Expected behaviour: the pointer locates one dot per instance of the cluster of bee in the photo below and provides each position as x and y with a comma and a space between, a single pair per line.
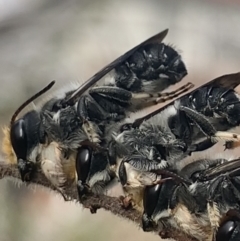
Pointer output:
91, 135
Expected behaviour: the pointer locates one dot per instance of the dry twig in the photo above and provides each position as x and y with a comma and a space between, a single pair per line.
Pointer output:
111, 204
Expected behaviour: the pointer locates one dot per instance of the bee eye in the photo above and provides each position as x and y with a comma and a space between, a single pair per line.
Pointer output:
226, 230
83, 162
19, 139
150, 198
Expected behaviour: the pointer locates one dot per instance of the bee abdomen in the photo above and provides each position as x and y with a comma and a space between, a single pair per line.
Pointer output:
221, 104
151, 69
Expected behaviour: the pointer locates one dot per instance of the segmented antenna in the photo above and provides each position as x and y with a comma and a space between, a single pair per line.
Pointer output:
27, 102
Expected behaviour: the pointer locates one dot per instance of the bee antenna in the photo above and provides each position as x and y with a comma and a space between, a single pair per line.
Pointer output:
28, 101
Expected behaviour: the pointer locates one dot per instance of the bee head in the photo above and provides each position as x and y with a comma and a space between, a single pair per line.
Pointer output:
229, 229
83, 164
21, 140
92, 170
157, 199
25, 138
150, 200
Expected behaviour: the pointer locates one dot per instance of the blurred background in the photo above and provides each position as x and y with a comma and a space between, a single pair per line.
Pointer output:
69, 41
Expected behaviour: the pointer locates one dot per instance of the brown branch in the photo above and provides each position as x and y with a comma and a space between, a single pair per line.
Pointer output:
111, 204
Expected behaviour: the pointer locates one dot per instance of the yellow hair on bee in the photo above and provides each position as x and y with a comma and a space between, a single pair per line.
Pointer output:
7, 147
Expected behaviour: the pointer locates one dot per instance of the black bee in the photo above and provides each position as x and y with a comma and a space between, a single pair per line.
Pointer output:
193, 123
203, 201
50, 136
137, 149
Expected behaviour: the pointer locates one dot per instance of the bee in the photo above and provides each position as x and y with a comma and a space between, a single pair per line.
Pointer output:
140, 148
49, 137
201, 202
192, 123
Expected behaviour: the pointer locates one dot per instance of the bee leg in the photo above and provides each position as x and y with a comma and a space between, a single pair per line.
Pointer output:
201, 146
200, 120
162, 97
140, 100
197, 169
231, 145
114, 93
82, 189
89, 109
164, 234
212, 207
163, 180
26, 170
65, 197
112, 100
122, 96
93, 208
214, 217
207, 128
170, 95
127, 201
98, 108
147, 223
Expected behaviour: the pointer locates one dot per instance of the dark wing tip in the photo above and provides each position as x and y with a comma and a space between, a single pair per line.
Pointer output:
158, 38
165, 32
230, 81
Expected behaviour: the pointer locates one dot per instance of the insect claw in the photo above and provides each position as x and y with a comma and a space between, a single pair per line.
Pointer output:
93, 208
82, 190
228, 145
147, 223
164, 234
127, 202
26, 170
65, 197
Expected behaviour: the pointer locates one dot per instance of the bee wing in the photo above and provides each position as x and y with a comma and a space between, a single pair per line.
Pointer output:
158, 38
230, 168
230, 81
